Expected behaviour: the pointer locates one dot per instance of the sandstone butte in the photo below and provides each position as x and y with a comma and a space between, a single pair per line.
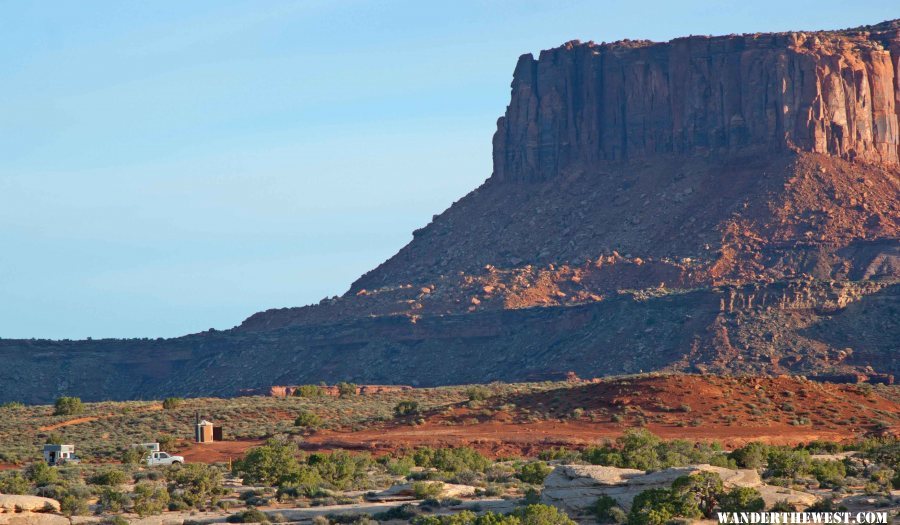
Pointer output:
716, 204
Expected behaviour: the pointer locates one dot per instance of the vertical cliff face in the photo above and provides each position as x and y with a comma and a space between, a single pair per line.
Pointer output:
827, 92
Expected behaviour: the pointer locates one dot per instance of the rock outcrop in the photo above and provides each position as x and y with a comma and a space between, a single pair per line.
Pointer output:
583, 103
574, 488
30, 510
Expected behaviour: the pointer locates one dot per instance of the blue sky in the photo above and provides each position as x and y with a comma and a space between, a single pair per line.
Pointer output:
171, 166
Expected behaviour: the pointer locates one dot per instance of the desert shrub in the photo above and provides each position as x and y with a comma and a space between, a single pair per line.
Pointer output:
149, 498
68, 406
346, 389
196, 484
401, 466
403, 512
703, 488
53, 439
171, 403
112, 499
114, 520
308, 420
269, 464
830, 473
309, 391
74, 501
540, 515
607, 510
742, 499
342, 470
248, 516
478, 393
783, 506
12, 405
406, 408
14, 483
823, 447
640, 449
533, 472
531, 515
451, 459
41, 474
658, 506
424, 490
784, 462
109, 477
752, 455
532, 496
167, 442
826, 505
133, 455
560, 454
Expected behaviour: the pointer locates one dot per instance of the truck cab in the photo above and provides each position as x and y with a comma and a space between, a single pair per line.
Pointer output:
156, 458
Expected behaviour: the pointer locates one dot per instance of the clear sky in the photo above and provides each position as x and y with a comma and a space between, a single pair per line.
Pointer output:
171, 166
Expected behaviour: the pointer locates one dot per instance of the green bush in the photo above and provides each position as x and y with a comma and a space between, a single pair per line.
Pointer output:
167, 442
531, 515
12, 405
541, 515
133, 455
533, 472
478, 393
41, 474
149, 498
787, 463
346, 389
451, 459
406, 408
658, 506
342, 470
309, 391
68, 406
114, 520
607, 510
309, 420
830, 473
109, 477
14, 483
703, 488
401, 466
269, 464
197, 484
74, 502
640, 449
742, 499
248, 516
425, 490
171, 403
112, 500
752, 455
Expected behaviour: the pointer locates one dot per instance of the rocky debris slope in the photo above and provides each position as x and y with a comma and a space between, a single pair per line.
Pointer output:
575, 488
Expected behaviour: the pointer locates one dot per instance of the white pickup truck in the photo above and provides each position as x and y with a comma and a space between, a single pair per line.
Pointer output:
163, 458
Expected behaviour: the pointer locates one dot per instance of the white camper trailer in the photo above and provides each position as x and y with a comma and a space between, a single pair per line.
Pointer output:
59, 454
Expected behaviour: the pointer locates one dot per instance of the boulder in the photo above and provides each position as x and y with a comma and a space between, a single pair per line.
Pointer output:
16, 503
33, 518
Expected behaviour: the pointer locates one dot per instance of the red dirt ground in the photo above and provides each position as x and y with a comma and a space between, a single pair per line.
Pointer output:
218, 451
75, 421
731, 410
